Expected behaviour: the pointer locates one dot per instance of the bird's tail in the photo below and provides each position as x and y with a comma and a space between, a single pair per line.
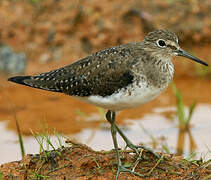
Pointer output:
19, 79
35, 82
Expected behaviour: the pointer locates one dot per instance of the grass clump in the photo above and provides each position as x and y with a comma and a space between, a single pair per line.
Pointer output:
46, 144
184, 120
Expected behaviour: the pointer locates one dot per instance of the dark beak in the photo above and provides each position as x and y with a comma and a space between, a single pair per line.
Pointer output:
183, 53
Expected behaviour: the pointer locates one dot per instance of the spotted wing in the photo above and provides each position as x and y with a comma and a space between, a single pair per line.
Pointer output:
102, 73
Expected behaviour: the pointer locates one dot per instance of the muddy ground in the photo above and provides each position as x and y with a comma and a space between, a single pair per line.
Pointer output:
82, 163
55, 33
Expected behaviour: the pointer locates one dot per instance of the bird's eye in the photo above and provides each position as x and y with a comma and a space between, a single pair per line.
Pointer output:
161, 43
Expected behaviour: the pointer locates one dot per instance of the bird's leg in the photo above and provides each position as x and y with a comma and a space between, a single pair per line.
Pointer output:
132, 146
110, 116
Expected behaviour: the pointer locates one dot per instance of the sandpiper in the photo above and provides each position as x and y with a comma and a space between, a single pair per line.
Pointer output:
117, 78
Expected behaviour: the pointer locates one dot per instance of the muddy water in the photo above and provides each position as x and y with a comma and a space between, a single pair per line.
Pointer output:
153, 124
154, 130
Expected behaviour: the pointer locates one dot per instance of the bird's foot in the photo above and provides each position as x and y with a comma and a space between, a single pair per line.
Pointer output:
139, 153
121, 168
149, 150
137, 147
134, 147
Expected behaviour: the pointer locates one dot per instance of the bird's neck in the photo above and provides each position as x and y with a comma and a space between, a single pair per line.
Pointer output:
164, 70
160, 72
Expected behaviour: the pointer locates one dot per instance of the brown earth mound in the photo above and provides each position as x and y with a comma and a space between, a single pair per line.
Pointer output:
82, 163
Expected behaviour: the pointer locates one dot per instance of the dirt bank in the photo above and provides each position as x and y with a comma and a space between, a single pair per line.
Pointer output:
79, 162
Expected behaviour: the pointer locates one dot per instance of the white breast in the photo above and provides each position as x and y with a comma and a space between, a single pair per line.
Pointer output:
131, 97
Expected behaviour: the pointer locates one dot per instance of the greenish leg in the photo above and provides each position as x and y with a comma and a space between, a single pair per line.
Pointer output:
132, 146
110, 116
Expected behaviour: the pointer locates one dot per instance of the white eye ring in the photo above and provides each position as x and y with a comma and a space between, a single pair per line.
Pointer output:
161, 43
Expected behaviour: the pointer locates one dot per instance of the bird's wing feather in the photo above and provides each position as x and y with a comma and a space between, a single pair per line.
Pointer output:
101, 73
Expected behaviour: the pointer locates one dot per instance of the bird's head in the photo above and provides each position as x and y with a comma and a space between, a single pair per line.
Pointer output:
164, 44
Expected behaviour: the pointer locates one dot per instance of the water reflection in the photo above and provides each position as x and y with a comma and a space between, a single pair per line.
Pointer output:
154, 130
157, 131
180, 147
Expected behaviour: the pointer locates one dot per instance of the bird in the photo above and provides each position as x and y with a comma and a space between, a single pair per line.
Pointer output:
117, 78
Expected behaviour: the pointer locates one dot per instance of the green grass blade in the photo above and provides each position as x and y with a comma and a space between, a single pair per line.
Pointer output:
39, 176
20, 139
48, 141
180, 106
191, 110
1, 176
166, 149
40, 141
191, 156
58, 136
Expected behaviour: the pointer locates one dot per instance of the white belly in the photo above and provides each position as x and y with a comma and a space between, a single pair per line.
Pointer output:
125, 99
